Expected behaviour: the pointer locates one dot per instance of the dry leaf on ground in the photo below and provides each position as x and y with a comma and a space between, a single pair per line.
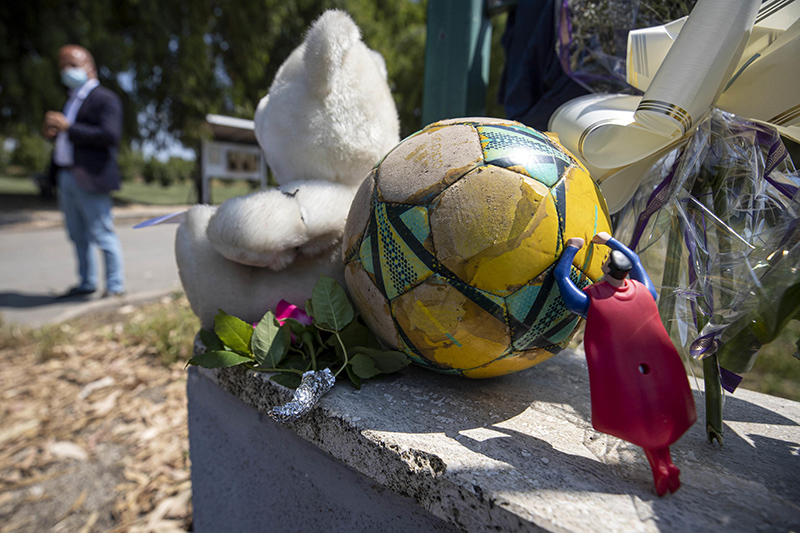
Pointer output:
94, 437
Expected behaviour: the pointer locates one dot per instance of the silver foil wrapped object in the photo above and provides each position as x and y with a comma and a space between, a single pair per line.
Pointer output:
312, 387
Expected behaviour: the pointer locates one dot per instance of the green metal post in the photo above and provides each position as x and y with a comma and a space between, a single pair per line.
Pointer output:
457, 52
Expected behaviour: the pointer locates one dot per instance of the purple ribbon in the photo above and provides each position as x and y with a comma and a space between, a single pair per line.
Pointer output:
705, 345
654, 204
729, 380
708, 344
565, 38
775, 155
777, 152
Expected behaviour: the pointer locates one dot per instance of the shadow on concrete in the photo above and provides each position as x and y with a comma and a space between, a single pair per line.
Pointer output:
560, 389
18, 202
21, 300
550, 470
530, 436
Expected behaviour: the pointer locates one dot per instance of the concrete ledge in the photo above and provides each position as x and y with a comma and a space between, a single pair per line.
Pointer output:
516, 453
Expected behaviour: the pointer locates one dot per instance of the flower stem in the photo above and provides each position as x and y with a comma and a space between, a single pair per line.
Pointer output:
310, 352
344, 351
713, 399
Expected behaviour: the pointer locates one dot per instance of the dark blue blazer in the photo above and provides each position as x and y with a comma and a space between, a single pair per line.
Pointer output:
96, 134
533, 84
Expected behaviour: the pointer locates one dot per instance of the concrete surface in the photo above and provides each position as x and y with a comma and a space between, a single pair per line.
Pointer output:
37, 262
288, 483
516, 453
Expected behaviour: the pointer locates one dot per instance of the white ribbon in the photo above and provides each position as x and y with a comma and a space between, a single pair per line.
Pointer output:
729, 54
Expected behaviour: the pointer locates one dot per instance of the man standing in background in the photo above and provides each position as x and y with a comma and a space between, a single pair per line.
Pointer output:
84, 166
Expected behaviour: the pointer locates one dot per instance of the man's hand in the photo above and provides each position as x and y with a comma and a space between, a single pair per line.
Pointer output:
54, 122
577, 242
601, 238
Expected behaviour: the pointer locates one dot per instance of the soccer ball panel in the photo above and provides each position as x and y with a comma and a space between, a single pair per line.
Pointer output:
396, 251
423, 165
513, 362
358, 218
475, 121
371, 304
463, 223
449, 327
538, 315
586, 215
495, 230
526, 151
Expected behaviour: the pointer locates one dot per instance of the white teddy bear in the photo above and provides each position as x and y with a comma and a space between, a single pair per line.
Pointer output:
328, 119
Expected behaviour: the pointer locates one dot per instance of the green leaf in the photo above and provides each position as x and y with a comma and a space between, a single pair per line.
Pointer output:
287, 379
270, 342
356, 334
297, 327
386, 361
210, 341
310, 309
235, 333
739, 353
218, 359
295, 362
353, 377
788, 309
363, 366
332, 309
329, 359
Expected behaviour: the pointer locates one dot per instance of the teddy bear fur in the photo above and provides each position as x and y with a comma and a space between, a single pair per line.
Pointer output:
328, 118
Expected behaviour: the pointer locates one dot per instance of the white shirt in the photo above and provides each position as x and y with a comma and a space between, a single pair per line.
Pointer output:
63, 149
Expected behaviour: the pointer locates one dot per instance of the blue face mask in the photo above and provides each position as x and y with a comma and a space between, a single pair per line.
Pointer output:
74, 77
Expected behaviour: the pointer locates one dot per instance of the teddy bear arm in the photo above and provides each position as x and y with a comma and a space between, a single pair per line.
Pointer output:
263, 229
324, 207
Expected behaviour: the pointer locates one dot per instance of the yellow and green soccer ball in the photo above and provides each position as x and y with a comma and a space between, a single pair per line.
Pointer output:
452, 239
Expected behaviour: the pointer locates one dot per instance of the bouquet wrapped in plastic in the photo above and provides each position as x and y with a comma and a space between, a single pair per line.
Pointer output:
708, 198
717, 225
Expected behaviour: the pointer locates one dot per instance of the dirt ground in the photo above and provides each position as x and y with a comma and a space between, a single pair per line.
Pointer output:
93, 432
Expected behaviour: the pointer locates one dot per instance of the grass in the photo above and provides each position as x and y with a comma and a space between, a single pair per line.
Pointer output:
23, 188
168, 329
180, 193
776, 370
164, 330
18, 186
45, 342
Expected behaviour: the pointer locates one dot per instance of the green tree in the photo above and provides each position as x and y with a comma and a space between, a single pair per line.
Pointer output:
32, 153
173, 62
181, 169
396, 29
131, 163
166, 173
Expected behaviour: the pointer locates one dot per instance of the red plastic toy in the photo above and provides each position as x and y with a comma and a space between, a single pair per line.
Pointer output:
639, 388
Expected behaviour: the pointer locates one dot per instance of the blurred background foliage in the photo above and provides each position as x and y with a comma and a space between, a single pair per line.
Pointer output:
174, 62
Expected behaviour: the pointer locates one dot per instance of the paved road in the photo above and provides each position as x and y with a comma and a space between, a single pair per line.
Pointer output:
37, 264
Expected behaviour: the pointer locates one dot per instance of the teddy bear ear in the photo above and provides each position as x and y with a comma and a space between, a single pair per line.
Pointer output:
327, 42
259, 120
380, 63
